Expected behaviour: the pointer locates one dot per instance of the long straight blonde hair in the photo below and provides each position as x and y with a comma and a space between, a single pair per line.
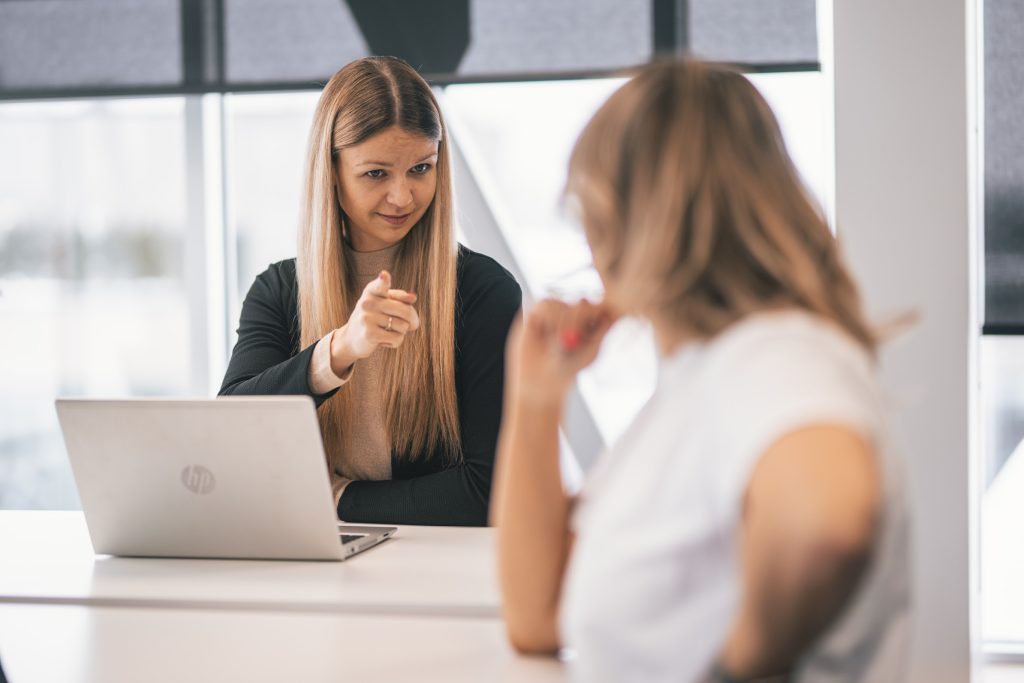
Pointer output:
421, 411
692, 205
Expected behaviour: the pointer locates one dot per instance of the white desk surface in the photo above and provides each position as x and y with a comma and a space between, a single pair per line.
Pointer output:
69, 644
46, 558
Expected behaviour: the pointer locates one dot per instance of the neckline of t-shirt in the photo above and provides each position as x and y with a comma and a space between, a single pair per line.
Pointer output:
370, 263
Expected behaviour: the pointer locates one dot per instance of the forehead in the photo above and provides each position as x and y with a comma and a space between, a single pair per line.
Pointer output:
392, 145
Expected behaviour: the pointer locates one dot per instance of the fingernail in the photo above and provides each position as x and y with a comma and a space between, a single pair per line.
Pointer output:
570, 340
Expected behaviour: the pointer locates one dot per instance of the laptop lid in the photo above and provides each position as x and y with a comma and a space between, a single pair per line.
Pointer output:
232, 477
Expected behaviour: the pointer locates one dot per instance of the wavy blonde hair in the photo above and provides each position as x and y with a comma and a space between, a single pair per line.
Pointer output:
420, 407
692, 205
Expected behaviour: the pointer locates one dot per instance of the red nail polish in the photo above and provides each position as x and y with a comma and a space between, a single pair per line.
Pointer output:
570, 340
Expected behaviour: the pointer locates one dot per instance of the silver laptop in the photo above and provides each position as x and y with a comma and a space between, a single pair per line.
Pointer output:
228, 478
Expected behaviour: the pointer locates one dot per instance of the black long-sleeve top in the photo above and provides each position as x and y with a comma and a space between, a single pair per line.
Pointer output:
267, 360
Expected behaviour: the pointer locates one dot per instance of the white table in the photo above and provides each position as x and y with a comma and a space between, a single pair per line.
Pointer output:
67, 644
46, 558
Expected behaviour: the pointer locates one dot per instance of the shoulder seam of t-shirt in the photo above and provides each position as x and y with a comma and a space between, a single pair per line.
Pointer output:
823, 377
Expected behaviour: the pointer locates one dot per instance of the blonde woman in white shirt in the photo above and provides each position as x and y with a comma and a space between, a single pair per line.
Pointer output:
749, 525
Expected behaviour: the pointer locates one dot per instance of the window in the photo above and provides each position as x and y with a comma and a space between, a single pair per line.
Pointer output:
98, 223
1002, 344
94, 269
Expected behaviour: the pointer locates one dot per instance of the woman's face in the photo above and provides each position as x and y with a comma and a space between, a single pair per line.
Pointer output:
387, 182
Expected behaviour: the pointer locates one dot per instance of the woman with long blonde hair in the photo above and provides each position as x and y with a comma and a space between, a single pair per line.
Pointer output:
395, 329
750, 524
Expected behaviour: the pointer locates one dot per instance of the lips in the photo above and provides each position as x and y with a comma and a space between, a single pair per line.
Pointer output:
395, 220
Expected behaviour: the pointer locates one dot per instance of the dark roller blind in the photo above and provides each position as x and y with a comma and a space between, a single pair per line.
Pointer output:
754, 31
541, 36
1004, 166
289, 40
96, 47
68, 44
279, 40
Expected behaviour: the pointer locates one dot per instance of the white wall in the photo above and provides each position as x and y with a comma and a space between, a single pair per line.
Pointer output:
904, 213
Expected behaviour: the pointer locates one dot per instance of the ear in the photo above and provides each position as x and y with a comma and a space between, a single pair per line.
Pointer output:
336, 181
337, 193
336, 169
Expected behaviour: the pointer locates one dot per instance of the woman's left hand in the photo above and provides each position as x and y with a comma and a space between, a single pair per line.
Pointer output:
550, 345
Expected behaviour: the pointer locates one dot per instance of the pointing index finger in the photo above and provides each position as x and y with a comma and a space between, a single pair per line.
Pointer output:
380, 285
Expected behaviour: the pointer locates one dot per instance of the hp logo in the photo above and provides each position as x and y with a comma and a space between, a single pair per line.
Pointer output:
198, 479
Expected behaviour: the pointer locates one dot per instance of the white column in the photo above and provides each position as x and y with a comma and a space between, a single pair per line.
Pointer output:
206, 261
905, 212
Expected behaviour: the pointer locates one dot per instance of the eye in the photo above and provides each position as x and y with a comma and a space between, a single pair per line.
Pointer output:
375, 173
421, 169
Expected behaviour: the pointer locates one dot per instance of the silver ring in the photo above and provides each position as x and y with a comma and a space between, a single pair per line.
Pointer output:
390, 320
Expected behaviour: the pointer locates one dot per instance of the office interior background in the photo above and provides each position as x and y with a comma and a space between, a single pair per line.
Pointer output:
151, 160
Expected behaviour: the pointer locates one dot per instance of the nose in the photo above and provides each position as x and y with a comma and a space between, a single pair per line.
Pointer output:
399, 193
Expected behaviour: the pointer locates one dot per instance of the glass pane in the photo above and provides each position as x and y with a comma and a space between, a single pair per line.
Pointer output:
517, 138
92, 300
264, 168
1002, 551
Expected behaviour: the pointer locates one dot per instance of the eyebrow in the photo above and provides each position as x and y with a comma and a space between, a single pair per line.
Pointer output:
387, 165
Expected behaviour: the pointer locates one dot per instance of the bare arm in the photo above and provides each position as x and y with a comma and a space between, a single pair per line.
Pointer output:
531, 512
529, 506
809, 524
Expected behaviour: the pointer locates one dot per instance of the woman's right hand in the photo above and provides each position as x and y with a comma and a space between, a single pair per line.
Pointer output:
381, 317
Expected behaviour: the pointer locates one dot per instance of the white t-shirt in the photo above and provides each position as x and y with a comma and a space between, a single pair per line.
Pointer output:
654, 578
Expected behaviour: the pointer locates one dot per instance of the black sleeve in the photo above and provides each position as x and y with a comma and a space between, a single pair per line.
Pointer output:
264, 360
459, 495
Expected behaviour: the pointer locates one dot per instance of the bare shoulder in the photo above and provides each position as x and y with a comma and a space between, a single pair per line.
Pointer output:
820, 478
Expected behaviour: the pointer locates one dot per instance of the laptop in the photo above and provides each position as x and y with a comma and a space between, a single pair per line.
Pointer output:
232, 477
